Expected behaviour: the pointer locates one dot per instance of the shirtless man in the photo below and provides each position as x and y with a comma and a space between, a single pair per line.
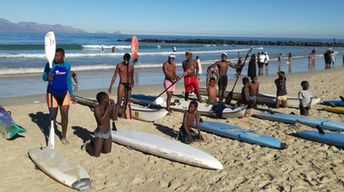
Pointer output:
126, 83
191, 78
223, 79
169, 69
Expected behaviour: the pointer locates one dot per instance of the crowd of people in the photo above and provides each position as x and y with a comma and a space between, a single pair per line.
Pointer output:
61, 91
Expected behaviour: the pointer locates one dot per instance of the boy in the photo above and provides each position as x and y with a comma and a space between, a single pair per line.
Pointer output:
103, 112
245, 95
59, 89
254, 91
281, 95
305, 98
186, 134
191, 78
126, 83
211, 90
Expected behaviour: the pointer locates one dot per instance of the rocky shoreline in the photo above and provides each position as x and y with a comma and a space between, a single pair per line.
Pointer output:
241, 42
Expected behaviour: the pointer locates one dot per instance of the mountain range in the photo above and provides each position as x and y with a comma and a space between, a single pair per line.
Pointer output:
7, 26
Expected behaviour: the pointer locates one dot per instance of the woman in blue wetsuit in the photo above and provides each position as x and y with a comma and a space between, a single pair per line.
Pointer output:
61, 89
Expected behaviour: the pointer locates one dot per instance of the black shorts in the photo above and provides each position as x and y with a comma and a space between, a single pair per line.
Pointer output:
223, 80
60, 98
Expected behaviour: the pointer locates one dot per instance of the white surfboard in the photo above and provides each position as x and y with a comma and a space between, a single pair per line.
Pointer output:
166, 148
50, 48
57, 166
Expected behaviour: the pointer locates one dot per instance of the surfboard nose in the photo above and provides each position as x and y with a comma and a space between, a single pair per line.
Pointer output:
217, 165
82, 184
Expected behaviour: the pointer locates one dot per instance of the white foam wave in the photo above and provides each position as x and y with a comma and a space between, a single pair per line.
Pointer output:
70, 55
120, 47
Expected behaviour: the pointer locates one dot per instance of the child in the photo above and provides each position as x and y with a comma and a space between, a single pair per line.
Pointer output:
281, 90
245, 95
254, 91
186, 134
305, 98
103, 112
211, 90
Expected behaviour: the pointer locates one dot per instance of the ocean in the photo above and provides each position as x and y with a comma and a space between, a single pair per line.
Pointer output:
22, 56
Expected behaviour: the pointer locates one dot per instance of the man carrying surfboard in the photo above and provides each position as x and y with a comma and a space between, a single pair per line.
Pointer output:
126, 83
60, 89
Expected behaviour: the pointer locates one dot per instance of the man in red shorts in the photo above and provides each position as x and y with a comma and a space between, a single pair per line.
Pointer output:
191, 78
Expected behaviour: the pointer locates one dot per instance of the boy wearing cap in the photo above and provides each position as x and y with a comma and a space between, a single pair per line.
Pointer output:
191, 78
223, 65
126, 83
169, 69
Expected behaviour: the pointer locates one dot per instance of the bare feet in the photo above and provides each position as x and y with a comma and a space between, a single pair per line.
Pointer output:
64, 141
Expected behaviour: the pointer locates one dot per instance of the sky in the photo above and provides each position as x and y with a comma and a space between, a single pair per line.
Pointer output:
282, 18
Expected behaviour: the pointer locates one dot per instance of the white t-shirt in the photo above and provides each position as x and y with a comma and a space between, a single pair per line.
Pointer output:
305, 97
199, 66
266, 59
261, 58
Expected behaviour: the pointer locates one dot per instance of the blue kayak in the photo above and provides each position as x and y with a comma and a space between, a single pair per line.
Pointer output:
312, 122
329, 138
339, 103
244, 135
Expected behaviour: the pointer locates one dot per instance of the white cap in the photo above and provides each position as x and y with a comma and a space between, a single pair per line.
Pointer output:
224, 54
172, 56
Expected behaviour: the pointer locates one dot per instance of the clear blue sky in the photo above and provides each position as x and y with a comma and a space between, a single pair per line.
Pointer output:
304, 18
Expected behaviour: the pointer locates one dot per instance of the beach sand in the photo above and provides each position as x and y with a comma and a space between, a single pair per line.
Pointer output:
303, 166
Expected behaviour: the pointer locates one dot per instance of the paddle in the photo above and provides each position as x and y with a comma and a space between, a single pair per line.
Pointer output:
230, 94
50, 48
180, 77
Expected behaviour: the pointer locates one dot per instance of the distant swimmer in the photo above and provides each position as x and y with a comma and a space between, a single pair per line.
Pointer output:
102, 49
113, 49
158, 46
174, 48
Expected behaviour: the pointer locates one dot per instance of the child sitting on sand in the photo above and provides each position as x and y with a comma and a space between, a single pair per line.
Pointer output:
245, 95
281, 95
103, 112
186, 134
305, 98
254, 91
211, 90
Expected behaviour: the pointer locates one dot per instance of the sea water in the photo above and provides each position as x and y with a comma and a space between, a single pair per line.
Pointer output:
91, 57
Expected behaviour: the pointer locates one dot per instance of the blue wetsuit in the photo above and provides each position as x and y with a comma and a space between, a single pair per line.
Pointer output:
62, 82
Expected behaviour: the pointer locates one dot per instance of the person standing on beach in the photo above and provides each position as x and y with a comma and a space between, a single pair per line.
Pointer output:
281, 95
252, 68
199, 63
126, 83
327, 58
169, 69
266, 63
289, 57
223, 65
191, 78
305, 98
261, 59
60, 90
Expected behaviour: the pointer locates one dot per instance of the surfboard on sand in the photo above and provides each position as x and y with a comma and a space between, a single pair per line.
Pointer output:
8, 127
60, 168
166, 148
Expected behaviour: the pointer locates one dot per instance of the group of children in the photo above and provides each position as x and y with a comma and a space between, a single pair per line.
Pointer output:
104, 111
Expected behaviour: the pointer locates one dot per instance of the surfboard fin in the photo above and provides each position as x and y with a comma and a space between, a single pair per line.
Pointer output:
342, 98
114, 126
321, 131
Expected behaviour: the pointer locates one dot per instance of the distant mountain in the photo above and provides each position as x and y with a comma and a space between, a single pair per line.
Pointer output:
7, 26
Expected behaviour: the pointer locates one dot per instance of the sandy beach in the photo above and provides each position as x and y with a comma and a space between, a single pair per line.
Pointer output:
303, 166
